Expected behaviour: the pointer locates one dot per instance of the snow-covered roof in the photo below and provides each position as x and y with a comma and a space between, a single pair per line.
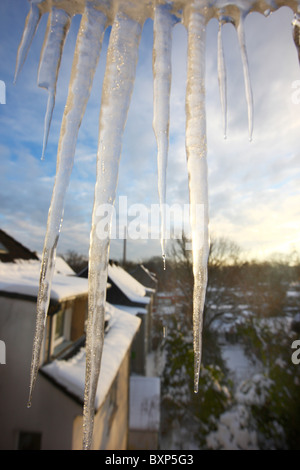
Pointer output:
22, 277
132, 310
133, 289
61, 266
144, 403
150, 274
70, 374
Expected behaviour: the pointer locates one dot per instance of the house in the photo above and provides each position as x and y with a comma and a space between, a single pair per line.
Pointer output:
54, 420
145, 277
130, 296
11, 249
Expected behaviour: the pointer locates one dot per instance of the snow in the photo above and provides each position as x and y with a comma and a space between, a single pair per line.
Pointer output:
232, 432
132, 310
133, 289
239, 365
144, 403
61, 266
127, 23
291, 293
149, 273
71, 373
22, 277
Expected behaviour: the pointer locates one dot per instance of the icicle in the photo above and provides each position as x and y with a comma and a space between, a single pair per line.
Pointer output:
296, 32
162, 71
197, 171
116, 94
248, 89
222, 79
86, 57
57, 30
32, 21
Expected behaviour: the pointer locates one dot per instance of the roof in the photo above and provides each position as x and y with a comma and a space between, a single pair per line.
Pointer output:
70, 374
144, 403
61, 266
11, 249
132, 310
133, 289
22, 278
145, 277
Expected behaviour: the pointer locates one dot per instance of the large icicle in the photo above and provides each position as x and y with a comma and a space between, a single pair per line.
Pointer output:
118, 84
197, 170
57, 29
86, 57
248, 89
162, 72
222, 78
32, 21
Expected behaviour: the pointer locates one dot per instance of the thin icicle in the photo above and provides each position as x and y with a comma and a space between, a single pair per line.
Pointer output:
118, 84
86, 56
162, 72
197, 171
296, 32
32, 21
57, 30
222, 79
248, 89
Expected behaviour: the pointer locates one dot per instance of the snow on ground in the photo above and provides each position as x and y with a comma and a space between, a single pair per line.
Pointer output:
239, 365
233, 432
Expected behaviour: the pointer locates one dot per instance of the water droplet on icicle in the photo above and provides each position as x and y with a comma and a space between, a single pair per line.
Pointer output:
222, 79
57, 29
162, 71
116, 94
86, 56
197, 172
248, 89
32, 21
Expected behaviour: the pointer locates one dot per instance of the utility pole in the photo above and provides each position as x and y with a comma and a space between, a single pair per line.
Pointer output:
124, 246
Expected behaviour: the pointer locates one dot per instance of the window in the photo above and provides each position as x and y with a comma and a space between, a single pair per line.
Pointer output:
3, 248
61, 325
29, 440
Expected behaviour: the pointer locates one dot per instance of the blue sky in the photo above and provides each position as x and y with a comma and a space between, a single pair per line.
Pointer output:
254, 194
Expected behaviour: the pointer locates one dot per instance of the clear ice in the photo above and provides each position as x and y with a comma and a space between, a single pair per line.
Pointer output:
127, 18
162, 73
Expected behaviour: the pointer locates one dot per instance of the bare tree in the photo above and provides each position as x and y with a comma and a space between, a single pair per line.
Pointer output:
76, 261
